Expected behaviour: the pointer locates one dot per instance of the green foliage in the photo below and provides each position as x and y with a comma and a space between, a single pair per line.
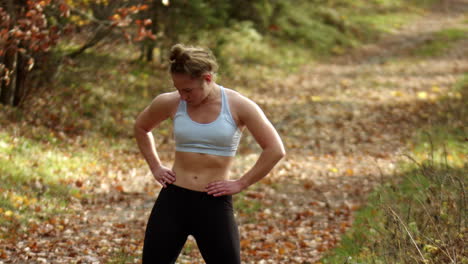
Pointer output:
238, 44
333, 26
320, 29
245, 54
298, 33
107, 97
198, 14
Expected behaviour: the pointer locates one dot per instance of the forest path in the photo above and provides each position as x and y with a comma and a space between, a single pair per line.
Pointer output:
345, 123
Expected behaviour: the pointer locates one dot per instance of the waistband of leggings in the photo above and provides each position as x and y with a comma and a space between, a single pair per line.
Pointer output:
184, 190
192, 193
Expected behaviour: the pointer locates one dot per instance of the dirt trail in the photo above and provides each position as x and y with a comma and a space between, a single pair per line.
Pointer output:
349, 120
345, 123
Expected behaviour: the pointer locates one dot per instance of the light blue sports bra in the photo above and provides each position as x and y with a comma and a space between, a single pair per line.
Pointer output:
220, 137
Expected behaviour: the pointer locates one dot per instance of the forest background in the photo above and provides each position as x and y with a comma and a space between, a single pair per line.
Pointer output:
369, 97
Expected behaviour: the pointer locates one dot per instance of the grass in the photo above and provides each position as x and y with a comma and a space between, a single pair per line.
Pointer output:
379, 23
440, 42
419, 220
37, 179
419, 216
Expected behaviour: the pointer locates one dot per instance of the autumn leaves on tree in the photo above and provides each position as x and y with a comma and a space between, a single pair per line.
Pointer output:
30, 29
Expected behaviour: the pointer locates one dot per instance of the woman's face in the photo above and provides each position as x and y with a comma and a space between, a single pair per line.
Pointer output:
191, 90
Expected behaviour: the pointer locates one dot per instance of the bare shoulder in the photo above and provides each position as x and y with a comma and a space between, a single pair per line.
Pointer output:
165, 102
161, 108
251, 116
239, 101
243, 108
167, 98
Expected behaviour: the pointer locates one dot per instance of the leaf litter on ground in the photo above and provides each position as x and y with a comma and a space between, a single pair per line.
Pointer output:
345, 123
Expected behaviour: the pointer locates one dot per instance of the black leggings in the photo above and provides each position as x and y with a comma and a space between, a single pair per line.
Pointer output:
179, 212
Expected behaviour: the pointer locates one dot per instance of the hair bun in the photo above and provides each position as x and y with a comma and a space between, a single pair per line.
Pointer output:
191, 60
179, 54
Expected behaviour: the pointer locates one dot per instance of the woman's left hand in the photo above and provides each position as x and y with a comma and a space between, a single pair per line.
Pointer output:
226, 187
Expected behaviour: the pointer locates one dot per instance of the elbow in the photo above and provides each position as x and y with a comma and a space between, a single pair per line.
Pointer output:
138, 129
275, 152
280, 153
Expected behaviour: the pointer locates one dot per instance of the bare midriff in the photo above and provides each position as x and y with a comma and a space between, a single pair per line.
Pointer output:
195, 171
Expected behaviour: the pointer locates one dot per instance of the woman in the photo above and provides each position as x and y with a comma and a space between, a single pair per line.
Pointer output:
196, 198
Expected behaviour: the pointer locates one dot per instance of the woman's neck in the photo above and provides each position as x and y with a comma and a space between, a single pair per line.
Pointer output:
213, 94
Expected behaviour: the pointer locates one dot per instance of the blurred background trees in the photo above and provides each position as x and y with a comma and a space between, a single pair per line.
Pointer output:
31, 31
28, 32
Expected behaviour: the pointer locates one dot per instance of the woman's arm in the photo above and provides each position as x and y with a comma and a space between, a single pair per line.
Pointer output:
159, 110
266, 136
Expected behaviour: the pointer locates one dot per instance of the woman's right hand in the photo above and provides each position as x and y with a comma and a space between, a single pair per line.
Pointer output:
164, 175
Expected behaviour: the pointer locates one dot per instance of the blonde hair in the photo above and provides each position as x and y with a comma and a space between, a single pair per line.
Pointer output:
193, 61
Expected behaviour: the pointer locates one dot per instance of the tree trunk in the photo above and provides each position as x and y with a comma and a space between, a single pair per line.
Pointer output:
21, 75
150, 52
149, 45
10, 8
7, 85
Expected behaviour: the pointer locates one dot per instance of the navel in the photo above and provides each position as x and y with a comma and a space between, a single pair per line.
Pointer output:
195, 177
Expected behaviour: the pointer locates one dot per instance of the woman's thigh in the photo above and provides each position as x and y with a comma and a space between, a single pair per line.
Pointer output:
165, 234
216, 232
